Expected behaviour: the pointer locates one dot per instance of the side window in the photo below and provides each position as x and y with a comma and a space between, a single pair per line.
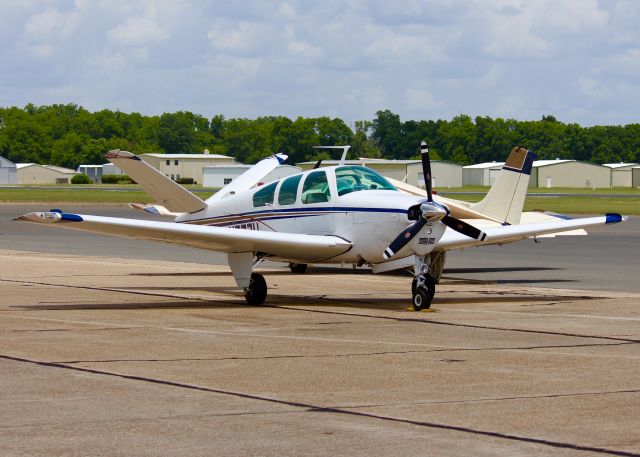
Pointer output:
264, 196
168, 162
288, 190
316, 188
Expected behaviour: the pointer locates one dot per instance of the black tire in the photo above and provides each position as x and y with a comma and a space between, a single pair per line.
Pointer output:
298, 268
256, 293
429, 283
421, 299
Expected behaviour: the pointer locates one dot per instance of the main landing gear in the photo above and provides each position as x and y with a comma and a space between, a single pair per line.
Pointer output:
423, 287
253, 284
256, 293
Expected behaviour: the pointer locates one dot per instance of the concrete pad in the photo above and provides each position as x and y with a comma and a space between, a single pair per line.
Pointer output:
137, 357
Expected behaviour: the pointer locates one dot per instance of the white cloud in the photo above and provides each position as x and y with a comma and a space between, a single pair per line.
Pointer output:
51, 22
137, 31
576, 59
304, 50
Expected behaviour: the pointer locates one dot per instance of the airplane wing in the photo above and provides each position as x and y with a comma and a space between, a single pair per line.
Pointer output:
306, 248
510, 233
166, 191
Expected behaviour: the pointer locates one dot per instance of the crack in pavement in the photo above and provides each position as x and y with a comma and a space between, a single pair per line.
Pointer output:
354, 354
456, 324
68, 329
332, 410
494, 399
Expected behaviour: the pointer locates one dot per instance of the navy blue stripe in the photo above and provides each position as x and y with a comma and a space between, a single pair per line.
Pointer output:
305, 210
71, 217
255, 219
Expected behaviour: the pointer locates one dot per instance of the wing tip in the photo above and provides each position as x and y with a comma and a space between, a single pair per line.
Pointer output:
48, 217
614, 218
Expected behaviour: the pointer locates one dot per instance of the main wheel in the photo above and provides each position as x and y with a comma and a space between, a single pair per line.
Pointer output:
256, 293
298, 268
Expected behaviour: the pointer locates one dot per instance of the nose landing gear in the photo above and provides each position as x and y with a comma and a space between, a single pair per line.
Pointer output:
423, 287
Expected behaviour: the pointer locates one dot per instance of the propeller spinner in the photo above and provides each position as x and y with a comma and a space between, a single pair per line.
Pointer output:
431, 212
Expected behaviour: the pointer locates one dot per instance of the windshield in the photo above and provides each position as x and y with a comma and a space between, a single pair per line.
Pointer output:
355, 178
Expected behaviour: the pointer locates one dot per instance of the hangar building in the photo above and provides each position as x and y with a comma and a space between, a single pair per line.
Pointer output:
481, 174
569, 173
635, 177
444, 174
7, 172
221, 175
621, 174
95, 172
176, 166
32, 173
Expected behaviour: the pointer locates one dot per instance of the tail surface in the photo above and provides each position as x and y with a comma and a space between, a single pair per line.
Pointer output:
505, 199
164, 190
249, 178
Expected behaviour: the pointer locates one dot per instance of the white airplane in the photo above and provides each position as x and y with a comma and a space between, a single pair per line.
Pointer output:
338, 214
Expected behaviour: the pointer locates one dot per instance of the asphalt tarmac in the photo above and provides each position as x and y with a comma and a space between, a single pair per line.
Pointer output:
111, 346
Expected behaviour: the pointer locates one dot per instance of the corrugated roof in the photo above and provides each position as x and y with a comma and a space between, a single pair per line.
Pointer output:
189, 156
50, 167
544, 163
619, 165
485, 165
59, 169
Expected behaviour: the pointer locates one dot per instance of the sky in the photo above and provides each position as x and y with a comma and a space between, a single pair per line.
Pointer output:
578, 60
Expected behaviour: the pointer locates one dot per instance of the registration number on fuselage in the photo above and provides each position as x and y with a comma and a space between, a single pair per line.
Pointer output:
247, 226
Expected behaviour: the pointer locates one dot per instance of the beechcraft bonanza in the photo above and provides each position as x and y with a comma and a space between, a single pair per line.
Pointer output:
337, 214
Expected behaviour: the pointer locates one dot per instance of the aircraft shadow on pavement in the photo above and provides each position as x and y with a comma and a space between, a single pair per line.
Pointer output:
235, 299
496, 269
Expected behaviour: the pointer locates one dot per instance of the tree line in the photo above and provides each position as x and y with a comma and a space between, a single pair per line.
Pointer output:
69, 135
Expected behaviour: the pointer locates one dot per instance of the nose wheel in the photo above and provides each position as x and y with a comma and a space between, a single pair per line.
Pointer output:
423, 289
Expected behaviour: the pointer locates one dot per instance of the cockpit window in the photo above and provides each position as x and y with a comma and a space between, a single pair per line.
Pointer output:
288, 190
316, 188
354, 178
264, 196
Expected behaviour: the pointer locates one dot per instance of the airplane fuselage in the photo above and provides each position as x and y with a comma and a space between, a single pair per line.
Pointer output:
368, 217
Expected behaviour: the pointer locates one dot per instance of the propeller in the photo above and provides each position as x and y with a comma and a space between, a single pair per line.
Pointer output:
431, 211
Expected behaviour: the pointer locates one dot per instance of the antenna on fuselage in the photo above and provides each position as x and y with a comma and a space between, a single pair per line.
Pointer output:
345, 149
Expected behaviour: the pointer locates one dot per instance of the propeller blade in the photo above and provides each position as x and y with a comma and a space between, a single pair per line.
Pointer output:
404, 237
464, 228
426, 169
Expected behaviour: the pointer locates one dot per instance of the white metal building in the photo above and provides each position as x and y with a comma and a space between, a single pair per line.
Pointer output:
8, 172
569, 173
635, 177
32, 173
621, 174
176, 166
481, 174
220, 176
111, 169
94, 172
444, 174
